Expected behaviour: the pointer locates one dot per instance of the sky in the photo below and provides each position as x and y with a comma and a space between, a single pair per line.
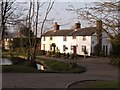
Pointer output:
65, 18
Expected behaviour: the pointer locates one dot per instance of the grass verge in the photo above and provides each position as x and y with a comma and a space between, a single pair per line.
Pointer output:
18, 69
52, 66
95, 84
61, 67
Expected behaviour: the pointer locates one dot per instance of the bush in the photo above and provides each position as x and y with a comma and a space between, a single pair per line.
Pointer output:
40, 52
102, 53
57, 55
64, 55
72, 56
16, 60
115, 61
32, 63
68, 55
49, 54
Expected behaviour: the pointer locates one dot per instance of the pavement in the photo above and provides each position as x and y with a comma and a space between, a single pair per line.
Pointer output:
98, 68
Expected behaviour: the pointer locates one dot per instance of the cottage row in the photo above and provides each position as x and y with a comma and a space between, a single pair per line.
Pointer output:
77, 40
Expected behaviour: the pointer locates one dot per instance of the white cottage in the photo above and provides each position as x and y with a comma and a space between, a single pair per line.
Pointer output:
75, 40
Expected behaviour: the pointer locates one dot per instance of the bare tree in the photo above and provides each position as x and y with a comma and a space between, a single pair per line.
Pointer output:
50, 5
32, 23
6, 12
105, 11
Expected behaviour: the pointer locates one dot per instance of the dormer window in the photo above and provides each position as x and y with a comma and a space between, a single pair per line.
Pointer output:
64, 38
84, 38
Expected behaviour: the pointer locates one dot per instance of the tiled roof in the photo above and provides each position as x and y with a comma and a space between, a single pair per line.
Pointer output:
83, 31
59, 32
70, 32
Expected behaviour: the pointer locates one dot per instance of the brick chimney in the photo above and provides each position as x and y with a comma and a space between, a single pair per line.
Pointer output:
99, 34
77, 25
56, 27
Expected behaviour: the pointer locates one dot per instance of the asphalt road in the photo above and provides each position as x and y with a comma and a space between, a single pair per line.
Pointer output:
97, 69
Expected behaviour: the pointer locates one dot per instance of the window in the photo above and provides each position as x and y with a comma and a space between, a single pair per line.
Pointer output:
71, 47
44, 39
50, 38
51, 47
64, 38
43, 46
74, 37
84, 38
83, 48
64, 47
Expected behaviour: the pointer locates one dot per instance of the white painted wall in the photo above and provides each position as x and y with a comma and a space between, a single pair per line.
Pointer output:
90, 43
86, 43
78, 42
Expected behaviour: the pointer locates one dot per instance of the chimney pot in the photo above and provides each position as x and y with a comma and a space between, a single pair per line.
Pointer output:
56, 27
77, 25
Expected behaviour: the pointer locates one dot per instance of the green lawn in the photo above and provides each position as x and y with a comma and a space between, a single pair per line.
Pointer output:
18, 69
52, 66
96, 84
59, 66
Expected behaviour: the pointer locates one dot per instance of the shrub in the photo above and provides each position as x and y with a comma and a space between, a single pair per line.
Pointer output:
68, 55
49, 54
64, 55
40, 52
72, 56
32, 63
57, 54
16, 60
102, 53
115, 61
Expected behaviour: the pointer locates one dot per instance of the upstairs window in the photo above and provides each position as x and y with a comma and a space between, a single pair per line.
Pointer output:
83, 48
84, 38
74, 37
44, 39
64, 38
64, 48
51, 38
43, 46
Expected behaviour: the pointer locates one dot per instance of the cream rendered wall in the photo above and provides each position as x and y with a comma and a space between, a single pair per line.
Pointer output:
90, 43
86, 43
78, 42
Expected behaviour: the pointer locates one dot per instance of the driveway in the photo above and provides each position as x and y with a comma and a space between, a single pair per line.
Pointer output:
97, 69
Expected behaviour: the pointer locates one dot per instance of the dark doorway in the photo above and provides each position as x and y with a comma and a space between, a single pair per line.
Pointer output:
53, 45
106, 51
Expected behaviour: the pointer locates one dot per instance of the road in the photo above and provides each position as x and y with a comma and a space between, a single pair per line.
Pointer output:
97, 69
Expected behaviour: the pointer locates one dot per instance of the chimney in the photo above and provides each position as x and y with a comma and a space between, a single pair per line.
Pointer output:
56, 27
77, 25
99, 25
99, 34
99, 28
